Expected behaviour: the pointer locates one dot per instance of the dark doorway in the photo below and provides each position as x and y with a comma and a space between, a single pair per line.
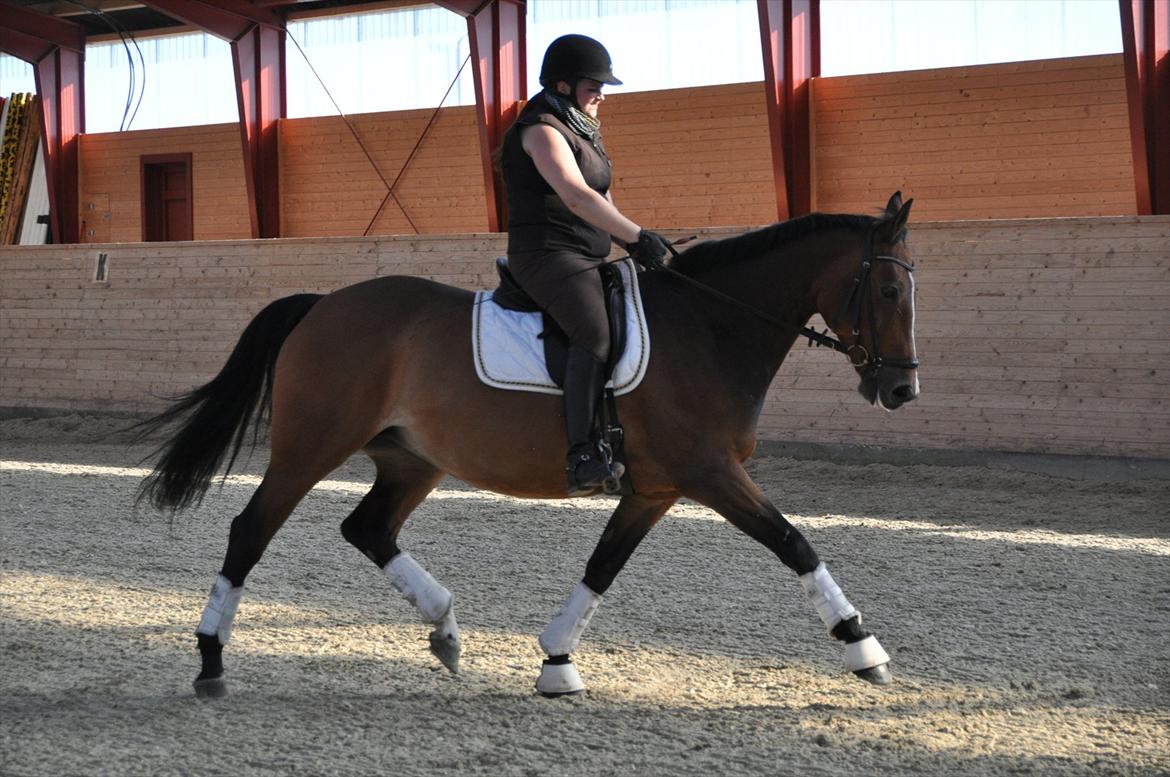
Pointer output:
166, 198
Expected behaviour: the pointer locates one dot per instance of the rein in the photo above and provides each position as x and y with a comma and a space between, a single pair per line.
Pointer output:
854, 304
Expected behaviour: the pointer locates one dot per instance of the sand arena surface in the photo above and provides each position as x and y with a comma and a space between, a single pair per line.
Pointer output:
1028, 618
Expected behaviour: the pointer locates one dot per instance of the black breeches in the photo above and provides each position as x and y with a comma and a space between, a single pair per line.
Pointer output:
568, 287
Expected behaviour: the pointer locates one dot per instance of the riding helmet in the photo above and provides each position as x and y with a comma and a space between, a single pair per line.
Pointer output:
571, 57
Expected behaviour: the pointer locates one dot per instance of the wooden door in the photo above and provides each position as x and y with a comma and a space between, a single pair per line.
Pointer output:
167, 208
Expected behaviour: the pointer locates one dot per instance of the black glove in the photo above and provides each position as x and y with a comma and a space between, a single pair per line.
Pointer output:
649, 250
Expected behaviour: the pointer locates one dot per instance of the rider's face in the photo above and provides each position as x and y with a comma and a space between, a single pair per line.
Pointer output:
589, 96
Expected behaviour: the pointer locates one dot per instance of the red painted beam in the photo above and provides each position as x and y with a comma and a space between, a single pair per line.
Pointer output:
50, 30
56, 49
27, 47
1145, 34
496, 29
790, 37
257, 38
258, 57
227, 19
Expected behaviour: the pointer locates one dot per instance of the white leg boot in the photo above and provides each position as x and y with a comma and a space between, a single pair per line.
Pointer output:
215, 626
434, 602
866, 658
558, 676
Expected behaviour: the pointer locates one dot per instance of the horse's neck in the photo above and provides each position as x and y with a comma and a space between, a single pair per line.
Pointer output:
783, 286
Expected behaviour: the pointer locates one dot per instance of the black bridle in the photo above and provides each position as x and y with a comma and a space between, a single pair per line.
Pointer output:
859, 356
854, 308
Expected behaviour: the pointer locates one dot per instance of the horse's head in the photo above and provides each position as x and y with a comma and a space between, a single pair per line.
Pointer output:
873, 313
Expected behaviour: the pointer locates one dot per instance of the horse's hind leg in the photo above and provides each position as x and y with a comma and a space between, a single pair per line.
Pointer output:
403, 481
633, 519
734, 496
251, 531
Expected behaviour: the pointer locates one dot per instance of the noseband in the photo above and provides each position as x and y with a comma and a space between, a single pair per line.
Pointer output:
859, 356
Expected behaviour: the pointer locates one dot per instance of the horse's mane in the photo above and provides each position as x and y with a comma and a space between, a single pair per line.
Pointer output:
729, 250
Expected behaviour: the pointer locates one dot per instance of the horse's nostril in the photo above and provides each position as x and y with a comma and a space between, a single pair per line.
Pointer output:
905, 392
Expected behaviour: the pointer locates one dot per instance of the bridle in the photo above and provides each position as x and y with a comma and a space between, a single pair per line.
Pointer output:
854, 308
866, 360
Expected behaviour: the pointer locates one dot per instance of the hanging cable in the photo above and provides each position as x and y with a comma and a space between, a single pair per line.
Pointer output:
123, 35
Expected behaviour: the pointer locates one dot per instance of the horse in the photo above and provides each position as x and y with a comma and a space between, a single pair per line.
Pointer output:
385, 367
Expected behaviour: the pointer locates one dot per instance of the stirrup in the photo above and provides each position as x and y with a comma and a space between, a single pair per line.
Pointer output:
598, 474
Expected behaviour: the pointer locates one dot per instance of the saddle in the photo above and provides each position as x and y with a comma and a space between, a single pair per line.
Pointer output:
510, 296
607, 429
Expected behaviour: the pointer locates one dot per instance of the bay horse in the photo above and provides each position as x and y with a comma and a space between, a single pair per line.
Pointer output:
385, 367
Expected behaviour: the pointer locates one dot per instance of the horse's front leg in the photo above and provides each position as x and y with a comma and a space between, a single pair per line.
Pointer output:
734, 496
633, 519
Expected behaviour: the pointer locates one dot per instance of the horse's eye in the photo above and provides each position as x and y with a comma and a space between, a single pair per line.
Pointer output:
890, 291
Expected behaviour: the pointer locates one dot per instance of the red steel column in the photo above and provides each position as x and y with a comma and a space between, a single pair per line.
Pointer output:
1145, 33
56, 49
790, 37
496, 29
258, 57
257, 38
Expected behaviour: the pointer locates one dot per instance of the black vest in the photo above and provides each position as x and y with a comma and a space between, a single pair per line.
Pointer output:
538, 219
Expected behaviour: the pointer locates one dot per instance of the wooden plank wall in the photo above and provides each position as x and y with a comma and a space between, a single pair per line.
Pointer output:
111, 185
329, 186
1016, 140
694, 157
1040, 336
1035, 336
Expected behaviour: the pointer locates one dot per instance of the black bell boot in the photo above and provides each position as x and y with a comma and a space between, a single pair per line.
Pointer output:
585, 469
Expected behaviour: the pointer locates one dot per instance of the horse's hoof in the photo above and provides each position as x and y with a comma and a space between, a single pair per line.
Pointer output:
211, 688
447, 648
559, 679
878, 675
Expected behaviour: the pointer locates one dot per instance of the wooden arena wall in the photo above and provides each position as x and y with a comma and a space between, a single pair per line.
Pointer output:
1016, 140
1040, 336
329, 187
1029, 139
110, 184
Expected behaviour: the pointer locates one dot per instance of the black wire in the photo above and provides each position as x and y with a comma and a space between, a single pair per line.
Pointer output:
123, 33
141, 89
130, 89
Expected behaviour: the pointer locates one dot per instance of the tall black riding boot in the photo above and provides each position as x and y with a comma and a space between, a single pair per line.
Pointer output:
585, 468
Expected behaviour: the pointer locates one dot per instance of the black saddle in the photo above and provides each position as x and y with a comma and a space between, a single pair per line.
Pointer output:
608, 433
510, 296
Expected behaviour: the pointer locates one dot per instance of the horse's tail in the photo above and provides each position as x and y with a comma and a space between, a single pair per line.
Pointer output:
216, 415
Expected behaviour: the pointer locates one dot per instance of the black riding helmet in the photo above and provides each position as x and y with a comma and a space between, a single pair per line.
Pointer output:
573, 57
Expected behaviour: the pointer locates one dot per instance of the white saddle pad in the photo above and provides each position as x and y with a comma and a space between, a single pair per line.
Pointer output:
509, 353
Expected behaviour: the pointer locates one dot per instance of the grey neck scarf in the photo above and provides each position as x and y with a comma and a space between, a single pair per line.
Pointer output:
580, 122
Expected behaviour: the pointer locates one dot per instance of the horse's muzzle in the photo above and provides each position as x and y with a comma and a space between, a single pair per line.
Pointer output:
889, 389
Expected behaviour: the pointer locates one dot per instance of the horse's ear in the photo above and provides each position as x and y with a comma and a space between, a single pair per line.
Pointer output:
895, 203
891, 229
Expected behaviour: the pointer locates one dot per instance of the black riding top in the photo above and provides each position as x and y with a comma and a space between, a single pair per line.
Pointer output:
538, 219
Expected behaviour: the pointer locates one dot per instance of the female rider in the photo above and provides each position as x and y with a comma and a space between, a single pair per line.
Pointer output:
561, 219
